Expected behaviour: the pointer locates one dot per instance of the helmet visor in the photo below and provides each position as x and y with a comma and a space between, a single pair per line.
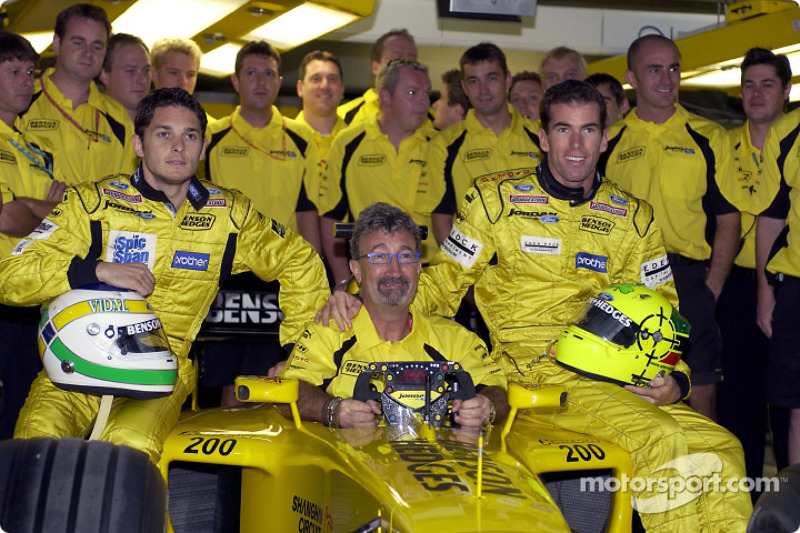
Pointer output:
142, 338
607, 322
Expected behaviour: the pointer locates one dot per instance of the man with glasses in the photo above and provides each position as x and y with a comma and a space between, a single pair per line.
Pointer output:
386, 263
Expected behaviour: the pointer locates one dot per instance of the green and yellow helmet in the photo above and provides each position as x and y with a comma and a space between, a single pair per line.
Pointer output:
626, 334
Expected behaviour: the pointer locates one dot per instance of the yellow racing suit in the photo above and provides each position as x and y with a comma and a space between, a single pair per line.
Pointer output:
536, 250
191, 249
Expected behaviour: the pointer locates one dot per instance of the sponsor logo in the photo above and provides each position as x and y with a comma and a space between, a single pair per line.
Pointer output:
371, 160
354, 368
596, 263
420, 162
618, 199
213, 191
687, 151
532, 155
281, 153
528, 199
607, 208
143, 327
109, 305
535, 215
477, 155
41, 233
190, 260
633, 153
240, 307
462, 249
505, 174
548, 219
594, 224
524, 187
146, 216
655, 272
56, 212
197, 222
131, 247
129, 198
7, 157
540, 245
605, 296
119, 185
235, 151
279, 228
217, 202
42, 124
615, 313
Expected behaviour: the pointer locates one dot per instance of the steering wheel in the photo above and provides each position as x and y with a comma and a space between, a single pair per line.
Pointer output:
412, 389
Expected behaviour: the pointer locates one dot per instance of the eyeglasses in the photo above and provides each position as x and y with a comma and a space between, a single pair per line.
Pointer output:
382, 258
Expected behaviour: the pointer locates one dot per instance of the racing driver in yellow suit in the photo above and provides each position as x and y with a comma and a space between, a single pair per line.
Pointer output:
166, 235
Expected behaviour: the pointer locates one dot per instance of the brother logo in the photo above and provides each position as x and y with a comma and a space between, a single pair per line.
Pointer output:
591, 262
190, 261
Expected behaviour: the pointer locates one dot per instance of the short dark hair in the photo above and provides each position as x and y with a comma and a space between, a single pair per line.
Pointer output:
377, 48
571, 92
481, 52
118, 40
319, 55
601, 78
86, 11
635, 48
16, 47
167, 97
762, 56
258, 48
381, 216
455, 92
525, 75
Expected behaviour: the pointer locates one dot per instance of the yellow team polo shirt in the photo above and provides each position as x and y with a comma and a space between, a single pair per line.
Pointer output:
467, 150
747, 161
277, 166
21, 175
323, 143
364, 168
778, 193
683, 168
324, 356
90, 142
361, 108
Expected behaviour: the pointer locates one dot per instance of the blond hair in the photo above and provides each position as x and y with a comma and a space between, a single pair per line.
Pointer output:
162, 47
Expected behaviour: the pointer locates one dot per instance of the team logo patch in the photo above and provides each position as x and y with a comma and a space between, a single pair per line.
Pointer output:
41, 233
532, 155
596, 263
131, 247
354, 368
505, 174
235, 151
680, 149
524, 187
279, 228
145, 216
477, 155
540, 245
607, 208
371, 160
655, 272
605, 296
217, 202
7, 157
594, 224
213, 191
618, 199
528, 199
119, 185
462, 249
197, 221
548, 219
121, 196
633, 153
190, 260
42, 124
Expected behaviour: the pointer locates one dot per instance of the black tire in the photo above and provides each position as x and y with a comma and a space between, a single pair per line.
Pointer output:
75, 486
779, 511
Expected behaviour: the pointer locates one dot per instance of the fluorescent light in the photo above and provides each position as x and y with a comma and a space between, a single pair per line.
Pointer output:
301, 24
221, 61
152, 19
40, 40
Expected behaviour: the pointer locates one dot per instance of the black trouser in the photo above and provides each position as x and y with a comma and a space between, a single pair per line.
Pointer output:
19, 361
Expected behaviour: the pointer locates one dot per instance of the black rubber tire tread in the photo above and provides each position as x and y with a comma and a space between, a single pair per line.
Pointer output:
75, 486
778, 511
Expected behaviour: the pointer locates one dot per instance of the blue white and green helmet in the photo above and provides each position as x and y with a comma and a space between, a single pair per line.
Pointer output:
103, 340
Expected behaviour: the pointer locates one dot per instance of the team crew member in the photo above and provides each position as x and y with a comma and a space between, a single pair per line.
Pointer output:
537, 244
452, 105
28, 192
394, 44
526, 93
176, 63
381, 159
271, 158
777, 259
681, 164
617, 104
126, 71
162, 233
320, 87
87, 132
562, 63
766, 82
386, 263
493, 137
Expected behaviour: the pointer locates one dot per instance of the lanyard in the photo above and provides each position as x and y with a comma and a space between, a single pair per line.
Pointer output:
93, 135
27, 149
758, 165
254, 147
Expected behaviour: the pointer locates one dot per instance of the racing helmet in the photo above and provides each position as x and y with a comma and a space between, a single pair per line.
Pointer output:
104, 340
627, 334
